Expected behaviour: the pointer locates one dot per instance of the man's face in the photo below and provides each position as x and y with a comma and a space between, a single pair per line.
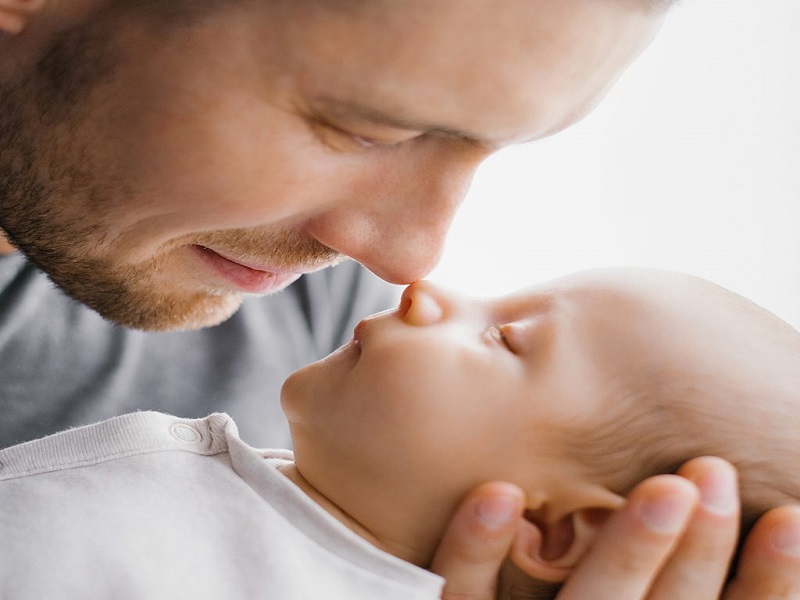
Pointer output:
160, 162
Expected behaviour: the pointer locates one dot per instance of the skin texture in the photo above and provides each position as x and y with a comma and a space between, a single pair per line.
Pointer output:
98, 125
445, 392
121, 158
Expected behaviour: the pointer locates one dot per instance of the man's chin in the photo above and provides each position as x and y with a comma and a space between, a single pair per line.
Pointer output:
150, 312
206, 313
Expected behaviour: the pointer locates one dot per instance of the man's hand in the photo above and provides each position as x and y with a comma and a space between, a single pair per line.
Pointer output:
770, 563
477, 541
673, 539
686, 554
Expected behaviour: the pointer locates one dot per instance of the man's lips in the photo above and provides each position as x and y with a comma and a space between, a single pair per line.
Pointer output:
245, 275
250, 264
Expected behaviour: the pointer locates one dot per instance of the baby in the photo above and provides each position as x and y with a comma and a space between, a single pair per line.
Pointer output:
575, 390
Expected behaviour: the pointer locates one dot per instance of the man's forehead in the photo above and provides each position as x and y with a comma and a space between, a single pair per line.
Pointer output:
496, 113
484, 78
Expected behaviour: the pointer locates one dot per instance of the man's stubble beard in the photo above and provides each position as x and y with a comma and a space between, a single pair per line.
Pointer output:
47, 167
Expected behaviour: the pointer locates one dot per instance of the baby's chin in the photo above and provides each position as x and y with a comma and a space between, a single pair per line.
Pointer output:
305, 394
291, 392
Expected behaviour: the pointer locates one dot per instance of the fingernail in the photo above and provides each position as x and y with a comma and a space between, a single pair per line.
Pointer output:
494, 513
785, 538
718, 491
665, 514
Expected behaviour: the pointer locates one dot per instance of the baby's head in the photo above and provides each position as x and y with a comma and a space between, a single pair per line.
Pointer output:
575, 390
716, 374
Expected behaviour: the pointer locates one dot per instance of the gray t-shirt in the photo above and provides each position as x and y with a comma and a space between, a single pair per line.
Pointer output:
62, 365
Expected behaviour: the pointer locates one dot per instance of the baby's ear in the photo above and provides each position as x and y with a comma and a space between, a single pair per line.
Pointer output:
548, 549
15, 15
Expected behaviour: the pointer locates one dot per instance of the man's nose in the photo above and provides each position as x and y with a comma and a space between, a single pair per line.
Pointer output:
397, 224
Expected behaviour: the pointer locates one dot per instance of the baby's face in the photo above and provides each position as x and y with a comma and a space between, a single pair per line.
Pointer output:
446, 392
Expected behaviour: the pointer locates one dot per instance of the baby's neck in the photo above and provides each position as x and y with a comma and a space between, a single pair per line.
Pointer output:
404, 545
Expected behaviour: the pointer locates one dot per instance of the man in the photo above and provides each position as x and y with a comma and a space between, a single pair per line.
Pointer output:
159, 160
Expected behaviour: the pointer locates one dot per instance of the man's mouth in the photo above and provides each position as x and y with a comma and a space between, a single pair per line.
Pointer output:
245, 275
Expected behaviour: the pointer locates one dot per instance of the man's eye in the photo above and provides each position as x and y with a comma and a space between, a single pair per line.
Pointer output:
365, 142
341, 139
354, 140
345, 139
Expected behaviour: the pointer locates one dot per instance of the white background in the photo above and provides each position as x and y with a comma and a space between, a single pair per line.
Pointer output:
692, 163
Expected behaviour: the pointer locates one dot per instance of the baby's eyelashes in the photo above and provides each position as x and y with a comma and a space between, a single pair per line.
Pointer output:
498, 334
506, 337
530, 335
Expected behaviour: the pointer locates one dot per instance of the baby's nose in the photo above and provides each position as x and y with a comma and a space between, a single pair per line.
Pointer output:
419, 305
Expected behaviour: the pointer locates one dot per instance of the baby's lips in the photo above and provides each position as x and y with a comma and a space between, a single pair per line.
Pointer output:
358, 332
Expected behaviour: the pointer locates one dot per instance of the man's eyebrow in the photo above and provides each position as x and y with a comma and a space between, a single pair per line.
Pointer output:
357, 110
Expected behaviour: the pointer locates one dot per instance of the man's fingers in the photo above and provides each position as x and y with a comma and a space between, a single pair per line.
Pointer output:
698, 568
769, 568
477, 541
635, 542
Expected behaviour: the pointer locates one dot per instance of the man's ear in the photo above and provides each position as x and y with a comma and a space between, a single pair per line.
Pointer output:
15, 15
548, 546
